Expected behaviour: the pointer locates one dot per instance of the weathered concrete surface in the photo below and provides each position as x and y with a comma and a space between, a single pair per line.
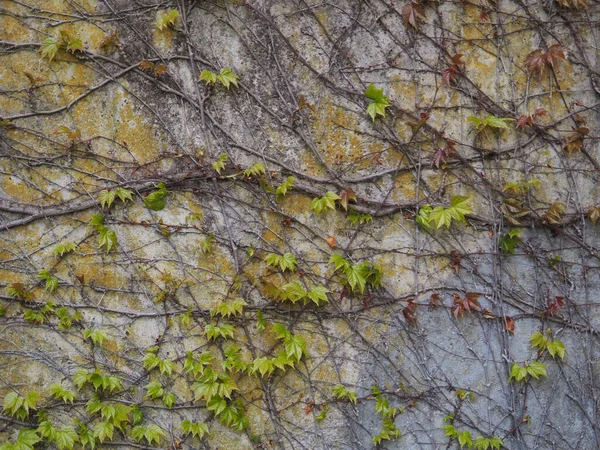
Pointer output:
300, 110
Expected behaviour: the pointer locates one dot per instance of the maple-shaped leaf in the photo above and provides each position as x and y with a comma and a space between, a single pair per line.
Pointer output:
159, 70
441, 154
346, 196
449, 74
594, 214
412, 12
49, 48
556, 52
539, 61
379, 102
109, 41
434, 300
554, 214
145, 64
553, 308
410, 313
524, 122
227, 78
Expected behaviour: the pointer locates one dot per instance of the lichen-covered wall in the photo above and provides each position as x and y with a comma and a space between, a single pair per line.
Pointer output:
209, 238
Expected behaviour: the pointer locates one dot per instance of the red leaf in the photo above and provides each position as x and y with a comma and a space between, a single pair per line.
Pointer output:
434, 300
457, 59
535, 61
555, 53
411, 13
455, 259
524, 121
509, 324
331, 241
409, 313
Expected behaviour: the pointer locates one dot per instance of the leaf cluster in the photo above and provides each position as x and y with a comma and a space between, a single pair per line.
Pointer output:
225, 77
357, 276
440, 216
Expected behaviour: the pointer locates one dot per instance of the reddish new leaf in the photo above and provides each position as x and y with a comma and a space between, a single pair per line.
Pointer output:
455, 259
410, 313
524, 121
433, 301
509, 324
553, 308
347, 196
411, 13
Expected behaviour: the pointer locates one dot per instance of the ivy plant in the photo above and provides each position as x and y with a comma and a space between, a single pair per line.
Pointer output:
379, 102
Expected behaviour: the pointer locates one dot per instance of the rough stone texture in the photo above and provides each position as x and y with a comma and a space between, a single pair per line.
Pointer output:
300, 110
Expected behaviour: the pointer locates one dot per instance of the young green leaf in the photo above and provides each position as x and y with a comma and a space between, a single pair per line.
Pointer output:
379, 102
227, 78
49, 48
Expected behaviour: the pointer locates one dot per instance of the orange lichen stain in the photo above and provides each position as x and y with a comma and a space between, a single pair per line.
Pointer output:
12, 30
124, 124
20, 190
337, 136
102, 275
405, 188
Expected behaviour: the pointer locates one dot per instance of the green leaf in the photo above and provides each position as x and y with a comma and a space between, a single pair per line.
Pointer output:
208, 77
51, 281
263, 365
227, 78
459, 207
517, 372
339, 262
536, 369
80, 378
219, 164
106, 198
441, 217
107, 238
326, 202
103, 431
167, 19
323, 414
356, 277
49, 48
292, 291
12, 403
155, 200
169, 400
342, 393
65, 438
86, 437
154, 390
295, 347
97, 336
557, 348
217, 405
285, 186
379, 102
66, 247
509, 241
318, 295
152, 433
59, 392
198, 429
215, 331
538, 340
465, 439
97, 221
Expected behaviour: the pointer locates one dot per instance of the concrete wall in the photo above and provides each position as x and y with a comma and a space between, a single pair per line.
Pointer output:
98, 118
